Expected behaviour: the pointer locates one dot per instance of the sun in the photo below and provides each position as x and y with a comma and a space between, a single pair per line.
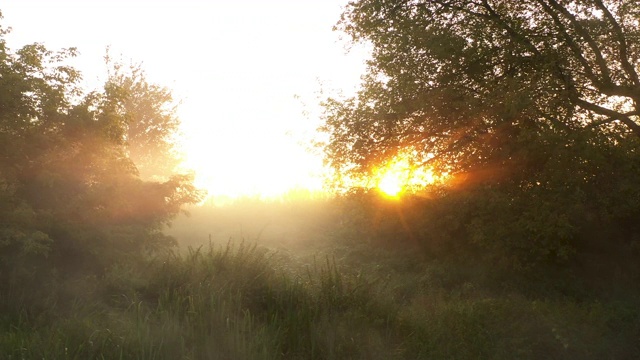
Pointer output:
394, 177
399, 175
391, 184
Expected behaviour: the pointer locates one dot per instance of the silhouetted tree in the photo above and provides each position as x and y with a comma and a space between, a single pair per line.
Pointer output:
535, 104
473, 80
71, 200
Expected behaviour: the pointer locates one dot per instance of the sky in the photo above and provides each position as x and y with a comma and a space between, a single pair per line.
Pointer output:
248, 74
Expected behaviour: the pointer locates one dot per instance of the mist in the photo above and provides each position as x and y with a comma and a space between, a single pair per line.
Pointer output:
480, 195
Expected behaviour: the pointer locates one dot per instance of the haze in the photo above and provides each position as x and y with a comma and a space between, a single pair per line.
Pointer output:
247, 74
483, 204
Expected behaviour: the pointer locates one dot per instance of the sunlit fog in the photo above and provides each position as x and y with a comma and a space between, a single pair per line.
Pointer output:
320, 179
247, 76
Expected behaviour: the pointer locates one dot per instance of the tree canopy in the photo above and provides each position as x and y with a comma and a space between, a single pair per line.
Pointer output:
533, 106
476, 83
71, 198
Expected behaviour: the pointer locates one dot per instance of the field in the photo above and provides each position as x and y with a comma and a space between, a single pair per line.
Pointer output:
298, 280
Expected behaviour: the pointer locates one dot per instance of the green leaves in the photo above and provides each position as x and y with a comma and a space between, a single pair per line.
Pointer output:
531, 106
71, 198
460, 76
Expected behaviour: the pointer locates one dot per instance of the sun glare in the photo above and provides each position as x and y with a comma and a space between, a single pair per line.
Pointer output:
227, 177
247, 122
393, 178
391, 184
399, 175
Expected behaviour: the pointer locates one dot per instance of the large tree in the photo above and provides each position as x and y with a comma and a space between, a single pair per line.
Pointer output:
474, 83
533, 105
71, 199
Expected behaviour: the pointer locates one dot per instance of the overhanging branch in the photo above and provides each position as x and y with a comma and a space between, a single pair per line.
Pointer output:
622, 49
600, 61
613, 115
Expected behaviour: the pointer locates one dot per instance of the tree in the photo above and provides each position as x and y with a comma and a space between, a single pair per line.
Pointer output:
535, 104
150, 117
474, 83
72, 202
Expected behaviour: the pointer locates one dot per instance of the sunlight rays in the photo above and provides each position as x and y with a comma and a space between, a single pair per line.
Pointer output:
400, 175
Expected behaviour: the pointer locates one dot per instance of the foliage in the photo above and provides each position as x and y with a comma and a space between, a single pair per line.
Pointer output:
470, 81
582, 202
243, 302
151, 125
71, 199
531, 106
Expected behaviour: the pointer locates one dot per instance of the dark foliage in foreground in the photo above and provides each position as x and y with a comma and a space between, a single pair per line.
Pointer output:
243, 302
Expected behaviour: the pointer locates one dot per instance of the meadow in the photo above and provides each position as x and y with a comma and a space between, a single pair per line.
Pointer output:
302, 280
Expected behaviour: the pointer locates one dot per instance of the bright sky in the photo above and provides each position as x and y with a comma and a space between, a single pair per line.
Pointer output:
248, 73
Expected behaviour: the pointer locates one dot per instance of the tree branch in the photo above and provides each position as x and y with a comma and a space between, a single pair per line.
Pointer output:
602, 64
612, 114
622, 50
571, 43
498, 19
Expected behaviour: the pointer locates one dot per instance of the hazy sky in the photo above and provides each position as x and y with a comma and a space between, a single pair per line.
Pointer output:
237, 66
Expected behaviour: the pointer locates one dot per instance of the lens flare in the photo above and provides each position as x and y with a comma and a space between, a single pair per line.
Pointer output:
393, 178
390, 184
400, 175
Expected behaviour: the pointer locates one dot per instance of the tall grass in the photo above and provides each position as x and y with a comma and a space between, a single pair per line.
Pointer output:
245, 302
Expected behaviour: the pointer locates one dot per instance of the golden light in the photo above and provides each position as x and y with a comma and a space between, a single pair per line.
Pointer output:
228, 179
247, 120
390, 184
400, 175
393, 178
